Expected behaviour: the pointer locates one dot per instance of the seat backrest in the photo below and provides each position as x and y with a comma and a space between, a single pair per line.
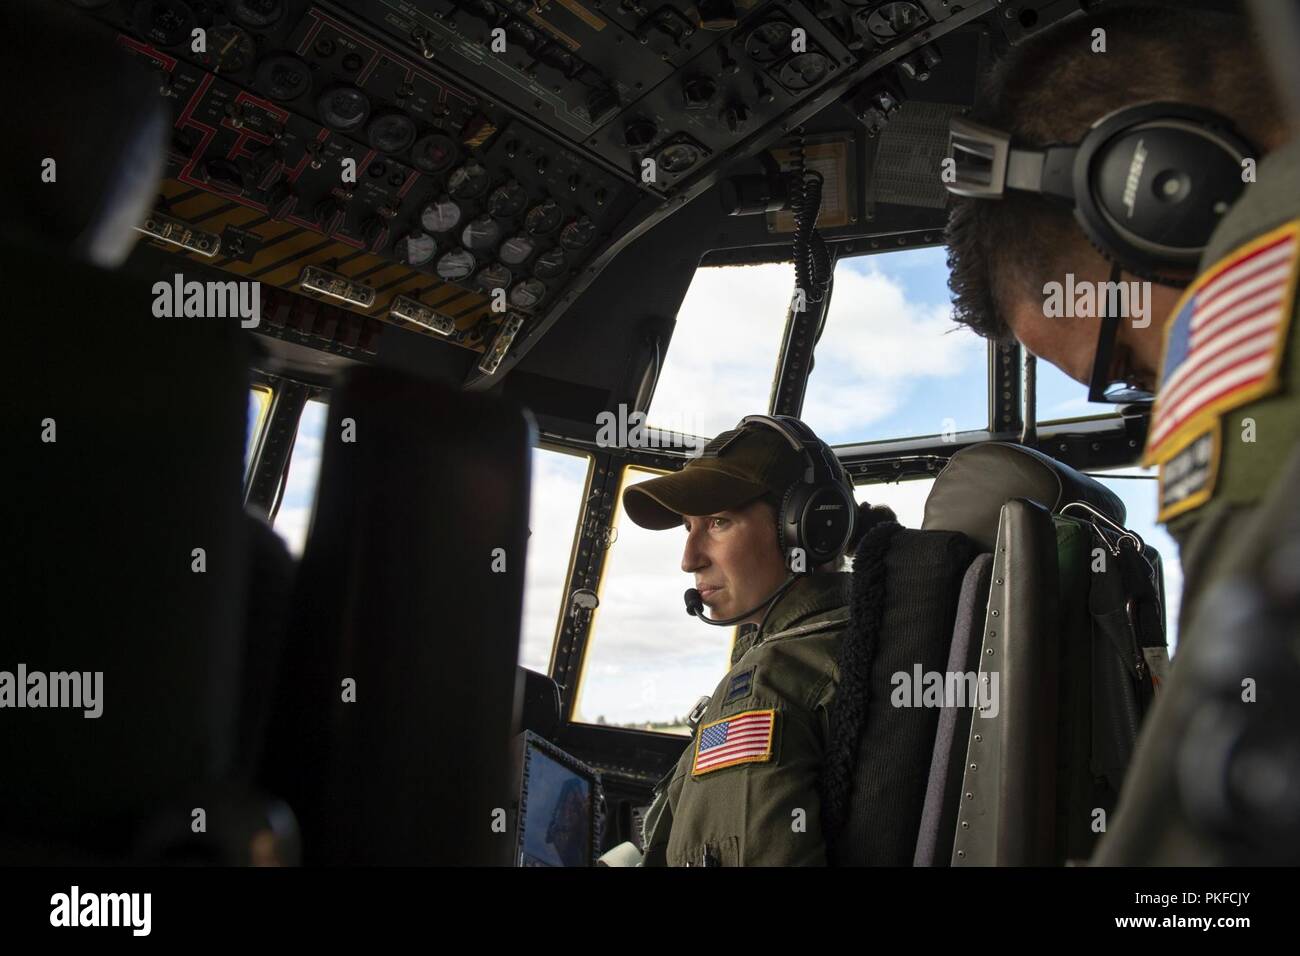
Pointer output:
391, 724
919, 582
1029, 768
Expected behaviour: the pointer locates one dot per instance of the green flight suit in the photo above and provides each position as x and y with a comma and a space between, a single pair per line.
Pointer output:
1224, 528
1253, 439
763, 811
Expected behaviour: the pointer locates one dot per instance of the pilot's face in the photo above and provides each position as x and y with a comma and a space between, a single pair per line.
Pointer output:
734, 558
1070, 342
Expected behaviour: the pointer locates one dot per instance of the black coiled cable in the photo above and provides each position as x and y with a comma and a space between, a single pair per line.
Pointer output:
812, 261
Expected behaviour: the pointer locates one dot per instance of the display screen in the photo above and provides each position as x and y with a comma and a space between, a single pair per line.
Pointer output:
557, 817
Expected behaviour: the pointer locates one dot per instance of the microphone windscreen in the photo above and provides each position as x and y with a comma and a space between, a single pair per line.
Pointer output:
694, 603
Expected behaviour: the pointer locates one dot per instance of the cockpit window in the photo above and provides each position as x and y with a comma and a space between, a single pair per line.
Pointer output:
891, 363
722, 359
647, 661
259, 402
293, 516
1059, 397
558, 482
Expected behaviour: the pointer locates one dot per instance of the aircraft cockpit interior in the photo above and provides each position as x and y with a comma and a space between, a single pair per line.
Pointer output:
343, 332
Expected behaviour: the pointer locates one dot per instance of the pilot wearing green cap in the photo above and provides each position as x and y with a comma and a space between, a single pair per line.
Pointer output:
767, 512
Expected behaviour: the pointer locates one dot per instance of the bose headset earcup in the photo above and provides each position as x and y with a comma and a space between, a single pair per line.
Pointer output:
1152, 181
817, 514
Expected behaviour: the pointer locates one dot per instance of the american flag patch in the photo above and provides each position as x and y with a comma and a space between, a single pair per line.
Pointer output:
743, 738
1224, 345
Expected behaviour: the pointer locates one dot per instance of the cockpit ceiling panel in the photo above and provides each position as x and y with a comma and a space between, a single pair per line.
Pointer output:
276, 253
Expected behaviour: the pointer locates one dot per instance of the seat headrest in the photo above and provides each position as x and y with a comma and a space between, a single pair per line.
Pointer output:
969, 493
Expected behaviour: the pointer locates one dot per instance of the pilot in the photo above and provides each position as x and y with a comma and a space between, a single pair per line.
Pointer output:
748, 789
1219, 353
1232, 415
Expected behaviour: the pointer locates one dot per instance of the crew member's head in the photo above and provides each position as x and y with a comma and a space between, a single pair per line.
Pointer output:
728, 501
1050, 90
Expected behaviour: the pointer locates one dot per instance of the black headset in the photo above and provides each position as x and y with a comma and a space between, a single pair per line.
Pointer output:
818, 512
1148, 183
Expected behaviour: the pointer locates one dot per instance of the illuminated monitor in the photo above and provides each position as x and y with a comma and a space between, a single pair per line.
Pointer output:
559, 808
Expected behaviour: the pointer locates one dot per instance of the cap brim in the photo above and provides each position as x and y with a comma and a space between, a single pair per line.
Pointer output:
660, 502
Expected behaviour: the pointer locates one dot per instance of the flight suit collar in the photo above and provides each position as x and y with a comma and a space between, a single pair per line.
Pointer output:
810, 596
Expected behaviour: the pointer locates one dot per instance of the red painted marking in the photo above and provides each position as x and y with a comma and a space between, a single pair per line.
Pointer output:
406, 186
168, 62
397, 59
311, 35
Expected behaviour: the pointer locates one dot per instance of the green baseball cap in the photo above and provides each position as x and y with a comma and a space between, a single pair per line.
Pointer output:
735, 468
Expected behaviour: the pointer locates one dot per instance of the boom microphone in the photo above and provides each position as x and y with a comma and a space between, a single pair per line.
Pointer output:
695, 604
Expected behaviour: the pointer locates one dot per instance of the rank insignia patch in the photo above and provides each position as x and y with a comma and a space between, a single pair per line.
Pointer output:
1224, 344
742, 738
739, 686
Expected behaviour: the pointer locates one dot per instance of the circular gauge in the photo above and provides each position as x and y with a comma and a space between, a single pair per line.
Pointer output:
516, 250
678, 157
543, 218
165, 22
257, 13
507, 200
283, 77
416, 249
230, 49
467, 181
550, 264
804, 71
769, 41
527, 294
391, 132
495, 276
894, 19
441, 215
482, 234
343, 108
434, 152
577, 233
456, 265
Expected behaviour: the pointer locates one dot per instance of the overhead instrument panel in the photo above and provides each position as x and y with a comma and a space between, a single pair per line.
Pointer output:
480, 160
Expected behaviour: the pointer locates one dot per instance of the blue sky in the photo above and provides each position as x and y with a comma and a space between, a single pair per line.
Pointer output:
891, 363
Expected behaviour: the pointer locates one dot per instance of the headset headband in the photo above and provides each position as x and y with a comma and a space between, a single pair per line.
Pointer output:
816, 453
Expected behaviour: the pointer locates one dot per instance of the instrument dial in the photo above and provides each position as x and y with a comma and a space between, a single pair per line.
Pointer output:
516, 250
343, 108
550, 264
467, 181
527, 294
434, 152
456, 265
416, 249
441, 215
230, 49
543, 218
482, 234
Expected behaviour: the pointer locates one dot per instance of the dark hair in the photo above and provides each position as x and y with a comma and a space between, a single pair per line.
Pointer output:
1051, 89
